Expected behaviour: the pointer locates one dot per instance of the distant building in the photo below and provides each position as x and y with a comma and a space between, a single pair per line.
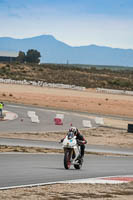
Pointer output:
8, 56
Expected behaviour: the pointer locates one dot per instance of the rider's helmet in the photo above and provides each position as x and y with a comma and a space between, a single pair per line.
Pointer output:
74, 130
70, 135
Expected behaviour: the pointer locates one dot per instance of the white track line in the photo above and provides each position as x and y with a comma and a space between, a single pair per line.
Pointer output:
100, 180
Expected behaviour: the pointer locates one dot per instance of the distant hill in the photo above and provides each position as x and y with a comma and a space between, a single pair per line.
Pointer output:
55, 51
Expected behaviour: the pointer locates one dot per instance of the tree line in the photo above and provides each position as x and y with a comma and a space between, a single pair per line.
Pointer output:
31, 56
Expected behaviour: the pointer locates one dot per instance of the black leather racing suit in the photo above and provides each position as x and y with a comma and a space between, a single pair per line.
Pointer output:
81, 141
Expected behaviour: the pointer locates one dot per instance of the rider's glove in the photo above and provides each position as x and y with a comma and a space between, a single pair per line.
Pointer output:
61, 140
84, 142
79, 142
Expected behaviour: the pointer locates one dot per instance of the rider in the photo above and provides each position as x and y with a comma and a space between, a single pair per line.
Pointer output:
1, 108
80, 139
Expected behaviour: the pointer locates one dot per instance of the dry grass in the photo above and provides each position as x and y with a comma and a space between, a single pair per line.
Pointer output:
67, 74
5, 148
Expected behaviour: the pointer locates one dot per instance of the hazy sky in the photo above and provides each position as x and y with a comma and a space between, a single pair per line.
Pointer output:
75, 22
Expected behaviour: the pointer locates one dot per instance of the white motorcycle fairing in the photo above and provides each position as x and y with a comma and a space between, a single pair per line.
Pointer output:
71, 152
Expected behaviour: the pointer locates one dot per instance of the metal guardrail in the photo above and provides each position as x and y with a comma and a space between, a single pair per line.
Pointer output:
114, 91
41, 84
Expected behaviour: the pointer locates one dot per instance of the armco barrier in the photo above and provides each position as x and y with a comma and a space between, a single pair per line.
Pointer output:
114, 91
41, 84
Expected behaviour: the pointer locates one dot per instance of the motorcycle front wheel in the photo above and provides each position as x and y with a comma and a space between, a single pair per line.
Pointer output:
67, 157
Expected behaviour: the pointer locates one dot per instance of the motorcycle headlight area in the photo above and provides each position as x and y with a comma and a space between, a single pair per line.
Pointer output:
69, 143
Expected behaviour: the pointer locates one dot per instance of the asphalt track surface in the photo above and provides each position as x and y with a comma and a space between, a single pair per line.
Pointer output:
18, 169
25, 169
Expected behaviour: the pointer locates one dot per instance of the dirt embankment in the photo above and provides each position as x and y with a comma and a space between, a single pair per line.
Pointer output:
87, 101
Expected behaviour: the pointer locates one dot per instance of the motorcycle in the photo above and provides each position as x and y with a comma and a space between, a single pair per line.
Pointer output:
72, 154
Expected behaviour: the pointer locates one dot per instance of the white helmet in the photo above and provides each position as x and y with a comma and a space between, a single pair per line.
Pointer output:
73, 129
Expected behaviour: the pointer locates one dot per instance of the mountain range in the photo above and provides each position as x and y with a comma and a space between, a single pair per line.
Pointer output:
55, 51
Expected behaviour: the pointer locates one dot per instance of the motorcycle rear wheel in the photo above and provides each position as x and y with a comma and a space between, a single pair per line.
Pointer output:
67, 162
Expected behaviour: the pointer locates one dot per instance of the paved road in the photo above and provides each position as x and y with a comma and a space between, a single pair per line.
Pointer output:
46, 116
56, 145
23, 169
